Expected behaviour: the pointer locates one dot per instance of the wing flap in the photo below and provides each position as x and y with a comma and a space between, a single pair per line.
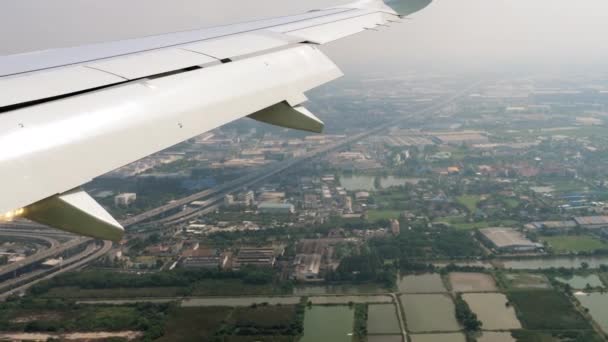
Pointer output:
50, 83
152, 63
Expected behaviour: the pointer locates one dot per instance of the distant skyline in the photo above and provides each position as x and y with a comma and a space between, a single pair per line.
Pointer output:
486, 35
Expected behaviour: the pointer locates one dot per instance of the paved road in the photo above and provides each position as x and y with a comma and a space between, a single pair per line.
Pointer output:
77, 261
43, 254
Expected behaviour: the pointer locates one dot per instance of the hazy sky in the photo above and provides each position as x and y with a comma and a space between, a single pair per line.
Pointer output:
488, 34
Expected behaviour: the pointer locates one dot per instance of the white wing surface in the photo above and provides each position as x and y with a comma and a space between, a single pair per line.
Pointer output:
69, 115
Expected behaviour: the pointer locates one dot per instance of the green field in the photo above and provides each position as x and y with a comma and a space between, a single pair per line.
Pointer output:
376, 215
561, 336
526, 281
546, 309
54, 315
208, 287
328, 323
260, 323
469, 201
511, 203
194, 324
574, 243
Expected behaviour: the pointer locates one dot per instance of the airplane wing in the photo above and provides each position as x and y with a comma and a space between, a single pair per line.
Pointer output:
71, 114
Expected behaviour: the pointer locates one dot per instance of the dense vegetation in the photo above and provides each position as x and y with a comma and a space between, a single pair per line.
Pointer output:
563, 336
546, 310
365, 267
176, 282
360, 329
253, 323
37, 315
420, 243
465, 316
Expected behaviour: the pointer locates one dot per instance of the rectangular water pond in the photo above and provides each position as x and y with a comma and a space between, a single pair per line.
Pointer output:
492, 310
421, 283
581, 282
496, 337
382, 319
471, 282
453, 337
350, 289
328, 323
597, 304
429, 313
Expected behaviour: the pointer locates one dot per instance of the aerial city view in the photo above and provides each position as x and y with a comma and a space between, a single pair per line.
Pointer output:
442, 208
436, 178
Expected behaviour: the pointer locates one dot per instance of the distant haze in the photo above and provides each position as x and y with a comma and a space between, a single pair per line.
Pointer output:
450, 34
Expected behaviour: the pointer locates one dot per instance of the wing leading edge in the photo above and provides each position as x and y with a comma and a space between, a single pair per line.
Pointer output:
69, 115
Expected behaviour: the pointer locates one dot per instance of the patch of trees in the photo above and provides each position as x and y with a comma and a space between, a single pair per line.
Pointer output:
451, 267
465, 316
173, 278
364, 267
422, 243
67, 316
264, 320
360, 329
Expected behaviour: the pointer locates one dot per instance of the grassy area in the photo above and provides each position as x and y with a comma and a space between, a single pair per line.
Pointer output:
469, 201
538, 336
194, 323
276, 323
574, 243
521, 280
55, 315
72, 292
567, 185
234, 287
376, 215
546, 310
511, 203
267, 316
208, 287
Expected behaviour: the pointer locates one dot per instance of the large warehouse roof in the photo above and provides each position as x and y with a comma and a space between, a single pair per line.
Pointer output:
506, 237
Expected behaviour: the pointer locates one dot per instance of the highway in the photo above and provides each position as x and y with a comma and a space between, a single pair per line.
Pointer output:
75, 262
47, 253
37, 273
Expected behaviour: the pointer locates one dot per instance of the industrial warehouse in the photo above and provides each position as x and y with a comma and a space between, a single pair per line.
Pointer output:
506, 240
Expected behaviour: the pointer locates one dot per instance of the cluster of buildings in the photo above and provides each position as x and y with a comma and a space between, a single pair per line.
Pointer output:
256, 256
564, 226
